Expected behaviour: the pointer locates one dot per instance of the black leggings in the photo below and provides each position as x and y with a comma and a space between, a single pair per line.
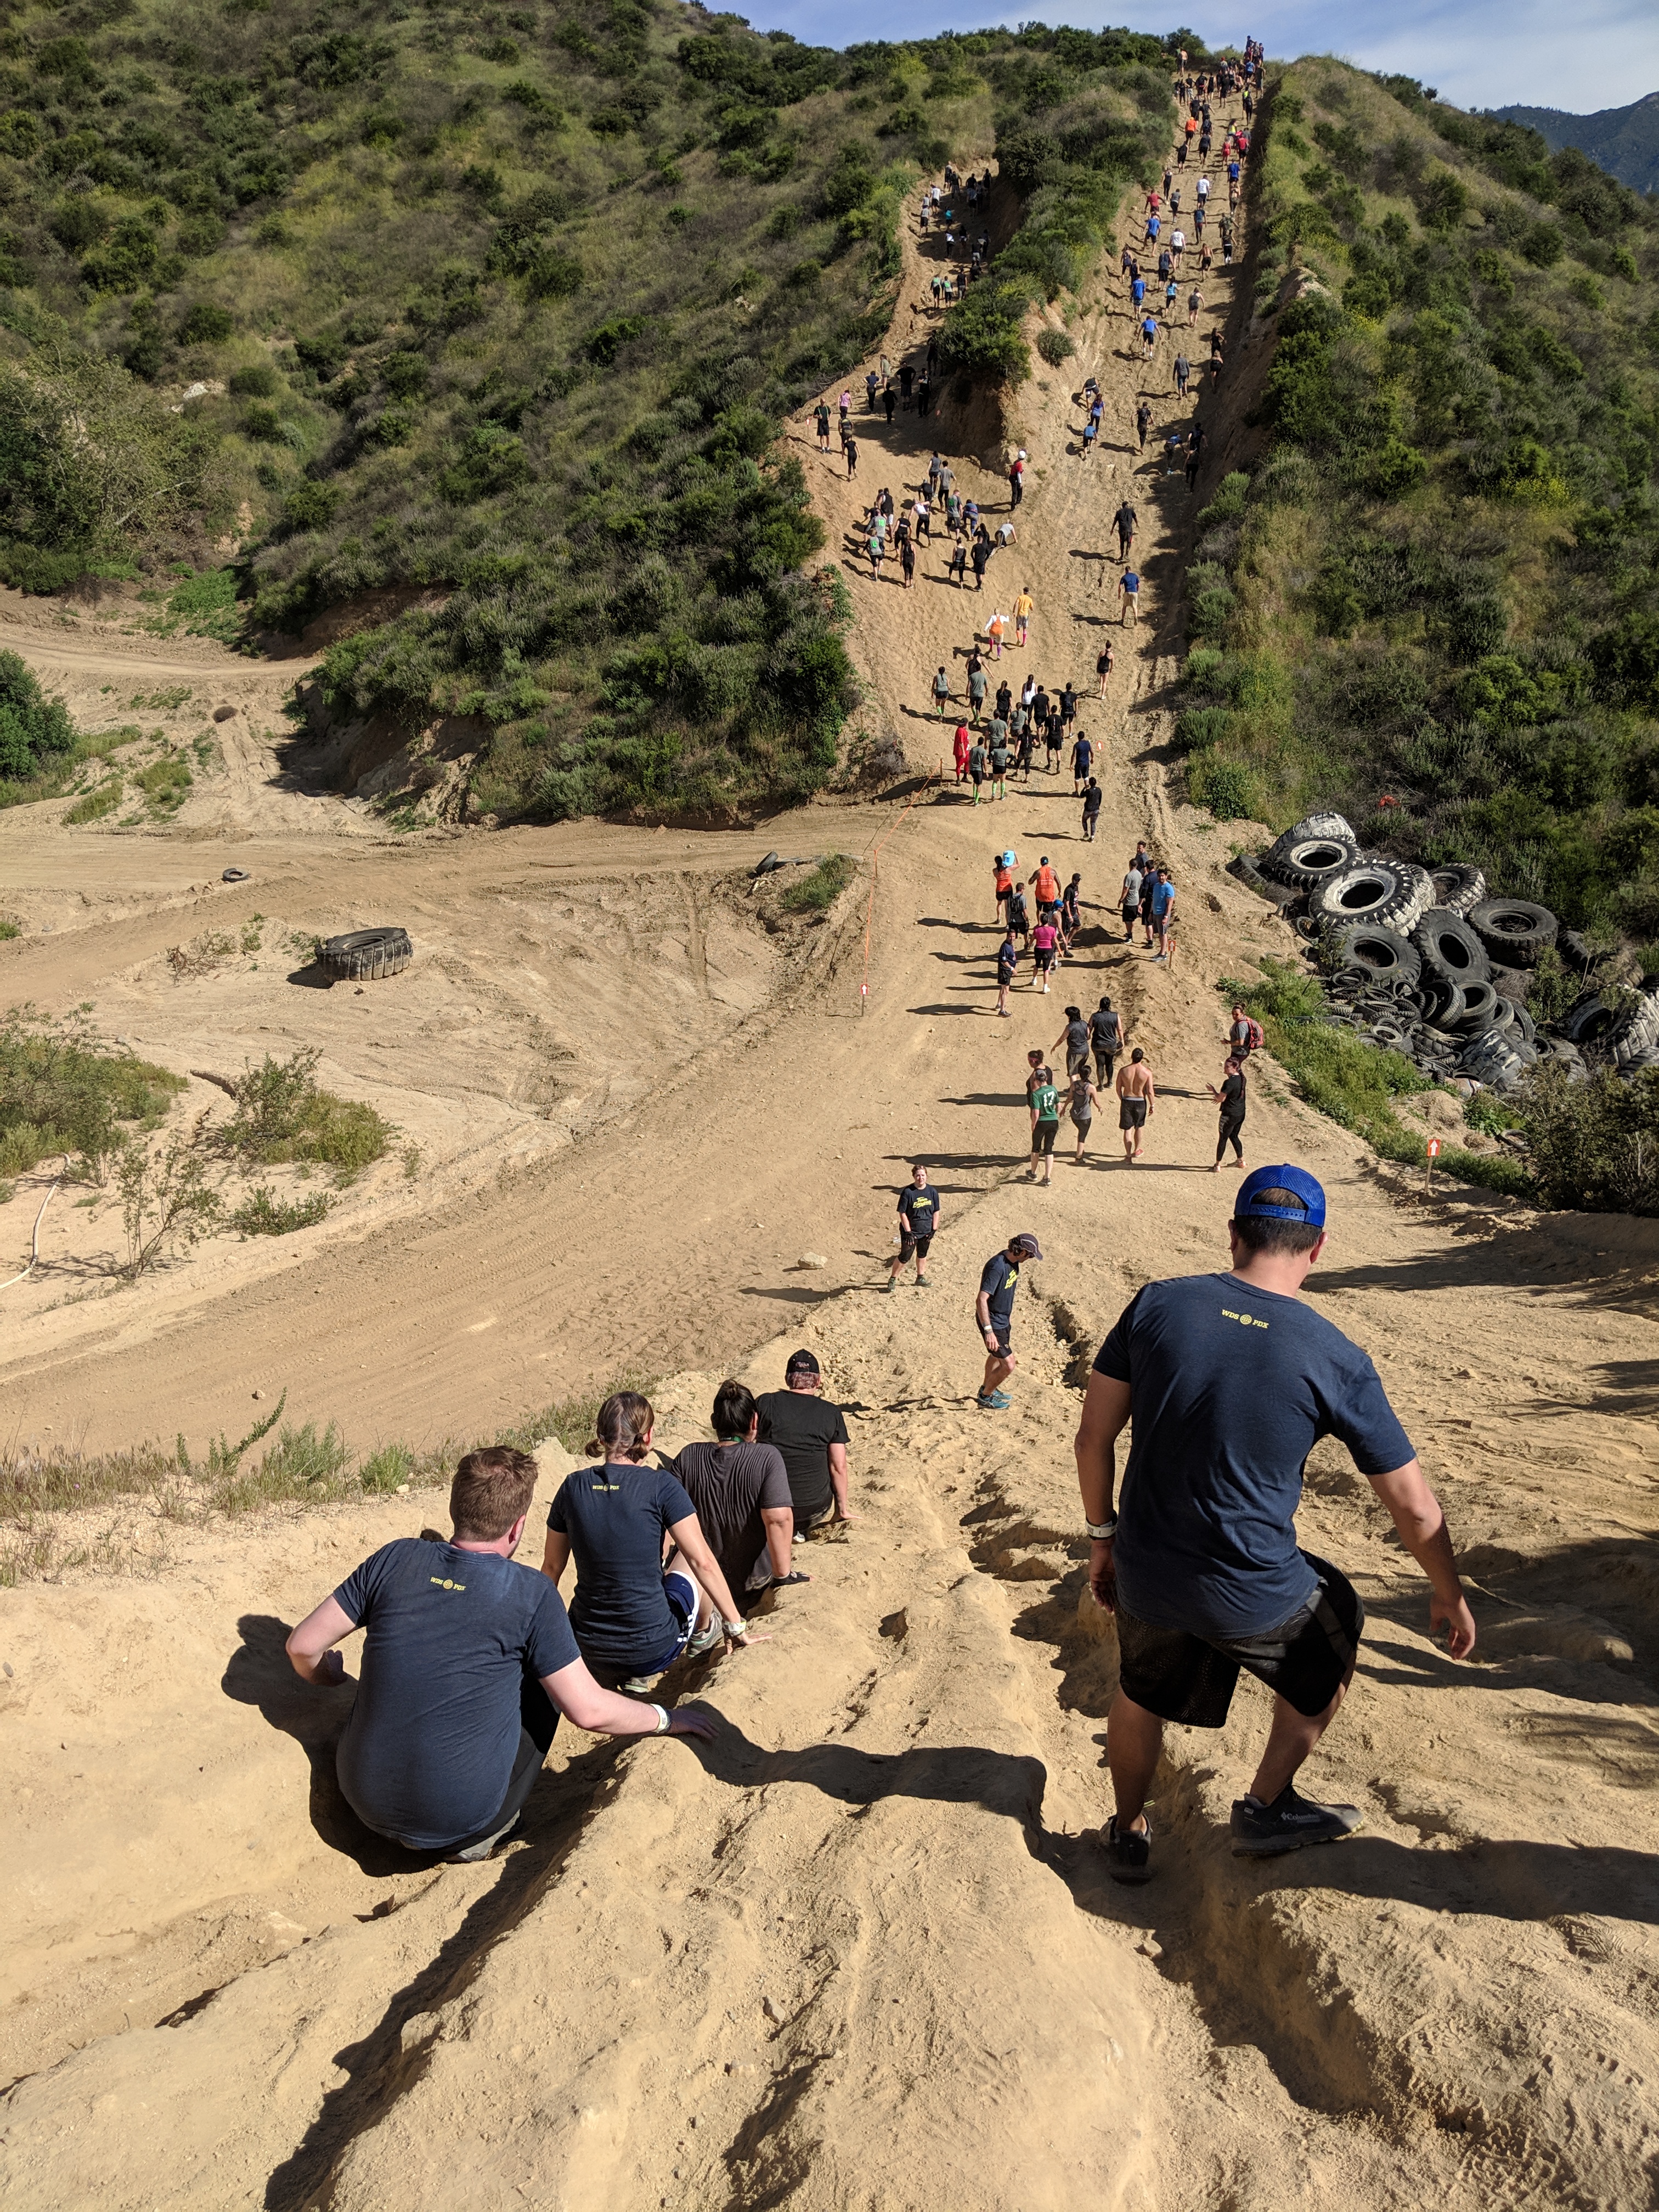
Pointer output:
1231, 1133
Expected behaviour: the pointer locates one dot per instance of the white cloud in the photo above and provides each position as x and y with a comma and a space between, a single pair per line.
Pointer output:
1485, 53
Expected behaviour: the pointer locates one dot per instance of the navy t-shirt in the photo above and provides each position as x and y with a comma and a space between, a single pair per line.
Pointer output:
428, 1750
998, 1280
919, 1209
1007, 962
616, 1517
1231, 1387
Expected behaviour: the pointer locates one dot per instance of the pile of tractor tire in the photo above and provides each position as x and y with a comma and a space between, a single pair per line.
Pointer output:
1432, 967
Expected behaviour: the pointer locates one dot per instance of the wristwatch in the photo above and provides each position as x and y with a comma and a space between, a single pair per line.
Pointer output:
1103, 1531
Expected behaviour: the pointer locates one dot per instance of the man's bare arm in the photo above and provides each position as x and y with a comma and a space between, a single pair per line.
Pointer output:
1105, 1413
310, 1645
1416, 1514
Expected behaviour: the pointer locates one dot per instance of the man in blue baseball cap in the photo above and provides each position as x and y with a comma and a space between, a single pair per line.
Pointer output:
1230, 1380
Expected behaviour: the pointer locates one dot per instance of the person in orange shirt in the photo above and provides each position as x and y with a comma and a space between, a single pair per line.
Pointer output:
1022, 606
1046, 885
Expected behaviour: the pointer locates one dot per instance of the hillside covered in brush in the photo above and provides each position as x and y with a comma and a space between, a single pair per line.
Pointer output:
499, 310
1432, 598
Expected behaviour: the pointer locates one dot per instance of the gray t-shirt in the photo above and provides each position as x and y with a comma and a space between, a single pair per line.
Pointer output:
729, 1485
1132, 883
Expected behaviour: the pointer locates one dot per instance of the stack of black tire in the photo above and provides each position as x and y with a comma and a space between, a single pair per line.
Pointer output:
1433, 967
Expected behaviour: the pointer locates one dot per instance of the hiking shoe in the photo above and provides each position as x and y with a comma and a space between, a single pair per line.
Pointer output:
704, 1639
924, 1282
1262, 1831
890, 1283
1128, 1852
995, 1401
481, 1850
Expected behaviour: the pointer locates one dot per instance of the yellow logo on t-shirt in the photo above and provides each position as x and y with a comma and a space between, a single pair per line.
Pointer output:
445, 1582
1244, 1321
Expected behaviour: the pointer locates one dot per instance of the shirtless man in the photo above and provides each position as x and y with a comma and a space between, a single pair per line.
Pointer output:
1136, 1099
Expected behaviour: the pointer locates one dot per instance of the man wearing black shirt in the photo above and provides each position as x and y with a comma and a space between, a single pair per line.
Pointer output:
993, 1311
1126, 518
919, 1214
811, 1436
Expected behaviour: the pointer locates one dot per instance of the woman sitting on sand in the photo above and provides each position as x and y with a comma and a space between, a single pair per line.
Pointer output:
632, 1615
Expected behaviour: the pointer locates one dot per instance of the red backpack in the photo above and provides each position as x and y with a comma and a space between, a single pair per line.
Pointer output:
1253, 1031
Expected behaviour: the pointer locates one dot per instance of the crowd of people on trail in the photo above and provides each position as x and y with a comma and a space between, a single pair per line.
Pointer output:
471, 1658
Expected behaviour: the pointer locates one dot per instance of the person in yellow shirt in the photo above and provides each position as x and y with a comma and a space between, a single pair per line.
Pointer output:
1022, 606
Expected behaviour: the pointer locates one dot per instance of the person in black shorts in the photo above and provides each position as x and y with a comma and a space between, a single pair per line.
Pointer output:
994, 1316
1230, 1380
919, 1219
1106, 1039
1043, 1102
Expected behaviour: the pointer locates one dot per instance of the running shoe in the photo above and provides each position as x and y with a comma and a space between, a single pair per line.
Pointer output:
890, 1285
1262, 1831
995, 1401
924, 1282
703, 1640
1128, 1852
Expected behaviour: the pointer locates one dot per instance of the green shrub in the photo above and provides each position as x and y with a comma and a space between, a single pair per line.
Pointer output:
263, 1214
282, 1115
103, 799
259, 380
60, 1092
206, 324
1054, 346
1227, 787
814, 893
31, 726
1594, 1145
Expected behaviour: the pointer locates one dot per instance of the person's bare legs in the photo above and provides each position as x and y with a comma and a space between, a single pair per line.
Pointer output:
1134, 1738
998, 1366
1290, 1740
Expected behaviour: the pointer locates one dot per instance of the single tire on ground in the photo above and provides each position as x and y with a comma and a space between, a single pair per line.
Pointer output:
1304, 863
1457, 888
1514, 931
1387, 894
364, 956
1249, 874
1383, 954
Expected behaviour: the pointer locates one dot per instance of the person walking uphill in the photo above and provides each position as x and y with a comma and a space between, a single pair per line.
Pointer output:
812, 1435
1230, 1380
468, 1663
1232, 1099
633, 1615
993, 1313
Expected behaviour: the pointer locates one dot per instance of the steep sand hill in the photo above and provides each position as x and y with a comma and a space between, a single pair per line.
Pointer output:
861, 1952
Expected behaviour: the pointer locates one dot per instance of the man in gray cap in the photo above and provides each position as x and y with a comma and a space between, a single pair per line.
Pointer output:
812, 1437
993, 1310
1230, 1380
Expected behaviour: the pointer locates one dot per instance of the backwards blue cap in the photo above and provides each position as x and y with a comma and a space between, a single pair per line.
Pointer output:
1249, 1205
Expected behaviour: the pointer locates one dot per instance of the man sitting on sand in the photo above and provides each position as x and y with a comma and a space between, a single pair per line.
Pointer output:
740, 1488
812, 1439
469, 1660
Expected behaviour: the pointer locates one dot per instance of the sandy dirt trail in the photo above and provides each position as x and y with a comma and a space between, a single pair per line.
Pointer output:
861, 1952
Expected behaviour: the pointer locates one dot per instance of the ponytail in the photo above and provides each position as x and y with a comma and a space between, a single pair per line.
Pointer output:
624, 1421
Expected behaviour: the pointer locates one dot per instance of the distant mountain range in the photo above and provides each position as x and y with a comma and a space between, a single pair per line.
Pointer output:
1623, 140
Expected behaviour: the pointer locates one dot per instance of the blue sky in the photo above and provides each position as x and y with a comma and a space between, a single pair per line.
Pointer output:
1485, 53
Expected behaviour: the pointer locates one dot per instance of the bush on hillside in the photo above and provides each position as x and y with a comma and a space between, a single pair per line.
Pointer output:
31, 726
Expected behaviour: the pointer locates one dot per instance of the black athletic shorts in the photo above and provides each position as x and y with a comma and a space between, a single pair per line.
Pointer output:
1190, 1678
1005, 1338
1132, 1113
913, 1248
1042, 1137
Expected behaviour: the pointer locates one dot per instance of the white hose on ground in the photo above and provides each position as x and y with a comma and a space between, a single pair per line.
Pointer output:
34, 1241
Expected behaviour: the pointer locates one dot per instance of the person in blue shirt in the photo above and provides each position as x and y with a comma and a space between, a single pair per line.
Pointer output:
633, 1615
919, 1213
1229, 1381
1128, 595
1164, 905
993, 1313
1148, 337
468, 1663
1138, 292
